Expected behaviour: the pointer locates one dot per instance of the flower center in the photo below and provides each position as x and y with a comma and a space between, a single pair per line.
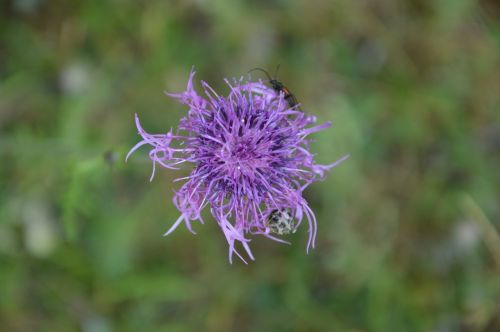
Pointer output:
242, 157
241, 151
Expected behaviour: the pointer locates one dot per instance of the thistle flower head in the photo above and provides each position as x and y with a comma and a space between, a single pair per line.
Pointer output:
250, 157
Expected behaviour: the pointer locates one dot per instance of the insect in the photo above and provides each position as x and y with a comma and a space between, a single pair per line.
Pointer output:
281, 221
278, 87
110, 157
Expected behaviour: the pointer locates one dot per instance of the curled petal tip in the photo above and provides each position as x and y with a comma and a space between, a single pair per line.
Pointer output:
174, 226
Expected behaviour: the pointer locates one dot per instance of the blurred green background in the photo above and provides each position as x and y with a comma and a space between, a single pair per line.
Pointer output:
406, 240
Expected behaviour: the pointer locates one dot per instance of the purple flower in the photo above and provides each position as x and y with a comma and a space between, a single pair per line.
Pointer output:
251, 162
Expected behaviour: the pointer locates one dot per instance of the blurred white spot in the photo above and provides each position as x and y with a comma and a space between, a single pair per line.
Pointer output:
75, 78
466, 236
40, 229
95, 323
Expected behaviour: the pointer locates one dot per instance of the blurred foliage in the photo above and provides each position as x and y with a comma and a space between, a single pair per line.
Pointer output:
407, 226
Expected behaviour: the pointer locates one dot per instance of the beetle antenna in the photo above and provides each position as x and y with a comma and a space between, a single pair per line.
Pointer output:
276, 71
262, 70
